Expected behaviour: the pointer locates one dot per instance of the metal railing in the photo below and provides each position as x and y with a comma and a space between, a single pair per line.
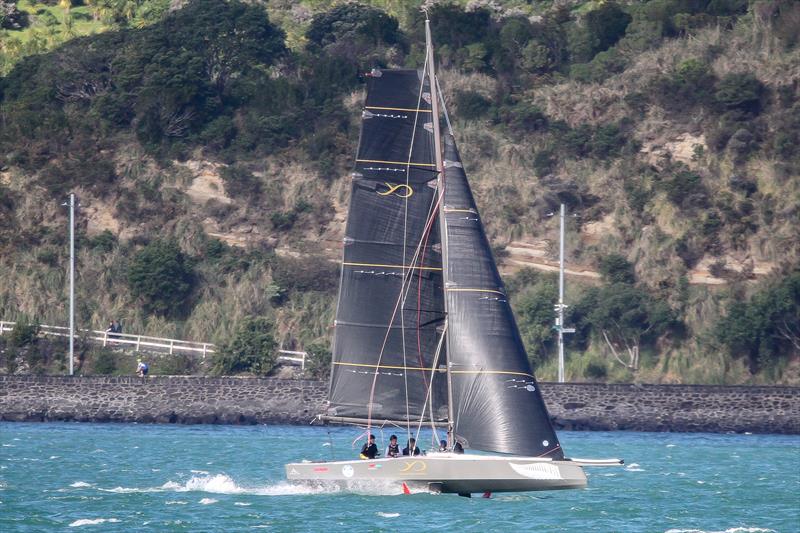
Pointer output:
146, 343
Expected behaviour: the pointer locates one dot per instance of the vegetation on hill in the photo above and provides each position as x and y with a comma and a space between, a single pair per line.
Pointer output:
209, 144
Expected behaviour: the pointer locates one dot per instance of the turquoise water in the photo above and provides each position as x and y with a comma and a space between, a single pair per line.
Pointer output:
129, 477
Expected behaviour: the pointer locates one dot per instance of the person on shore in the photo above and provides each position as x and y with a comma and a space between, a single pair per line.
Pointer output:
393, 449
141, 369
113, 331
412, 448
370, 449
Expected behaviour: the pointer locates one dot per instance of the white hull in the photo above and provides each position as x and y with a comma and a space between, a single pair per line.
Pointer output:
448, 472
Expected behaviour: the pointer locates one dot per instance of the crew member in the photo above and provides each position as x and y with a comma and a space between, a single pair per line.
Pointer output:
393, 449
412, 448
370, 449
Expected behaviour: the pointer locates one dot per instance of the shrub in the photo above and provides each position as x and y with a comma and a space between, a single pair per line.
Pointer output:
739, 91
240, 183
318, 361
616, 269
252, 349
637, 193
684, 188
24, 333
596, 369
176, 365
215, 249
104, 362
471, 105
162, 277
742, 143
523, 117
311, 273
544, 162
283, 220
690, 84
103, 242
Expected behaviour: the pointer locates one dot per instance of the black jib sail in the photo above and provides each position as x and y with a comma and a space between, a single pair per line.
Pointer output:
498, 406
390, 313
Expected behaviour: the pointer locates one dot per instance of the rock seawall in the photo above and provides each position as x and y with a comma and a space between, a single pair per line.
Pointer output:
199, 400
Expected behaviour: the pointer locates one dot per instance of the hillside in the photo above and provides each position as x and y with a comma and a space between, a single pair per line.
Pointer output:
210, 142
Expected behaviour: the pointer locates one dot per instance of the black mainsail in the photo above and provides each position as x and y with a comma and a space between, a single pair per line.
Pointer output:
390, 312
416, 269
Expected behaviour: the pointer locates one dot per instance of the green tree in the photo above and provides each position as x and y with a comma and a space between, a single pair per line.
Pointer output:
766, 326
534, 312
361, 36
318, 360
606, 25
626, 316
162, 277
252, 349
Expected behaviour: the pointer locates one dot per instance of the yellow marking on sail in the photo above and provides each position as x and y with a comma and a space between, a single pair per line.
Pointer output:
393, 188
403, 163
477, 290
399, 109
388, 367
399, 367
438, 269
502, 372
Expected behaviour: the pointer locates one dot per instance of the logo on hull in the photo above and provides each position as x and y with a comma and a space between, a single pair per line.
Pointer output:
537, 471
414, 467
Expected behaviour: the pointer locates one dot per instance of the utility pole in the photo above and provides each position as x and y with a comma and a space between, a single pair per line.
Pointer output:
71, 205
559, 308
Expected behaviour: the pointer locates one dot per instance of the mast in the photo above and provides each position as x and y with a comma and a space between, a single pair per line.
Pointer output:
437, 148
561, 300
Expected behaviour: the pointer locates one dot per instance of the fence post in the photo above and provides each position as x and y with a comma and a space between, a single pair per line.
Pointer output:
105, 338
303, 362
138, 342
205, 347
171, 346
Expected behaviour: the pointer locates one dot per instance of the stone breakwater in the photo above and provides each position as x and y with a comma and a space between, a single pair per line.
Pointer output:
199, 400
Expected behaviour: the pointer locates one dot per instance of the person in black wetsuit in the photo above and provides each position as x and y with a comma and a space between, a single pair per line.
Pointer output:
370, 449
412, 448
393, 449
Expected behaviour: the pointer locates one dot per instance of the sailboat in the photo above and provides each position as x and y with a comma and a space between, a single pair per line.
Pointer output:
424, 332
